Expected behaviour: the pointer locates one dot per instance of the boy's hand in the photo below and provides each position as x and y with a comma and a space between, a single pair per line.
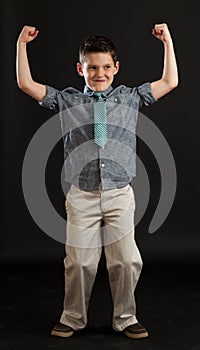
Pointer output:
28, 34
161, 31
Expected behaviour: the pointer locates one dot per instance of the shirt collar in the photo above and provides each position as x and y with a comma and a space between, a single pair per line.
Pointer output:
89, 92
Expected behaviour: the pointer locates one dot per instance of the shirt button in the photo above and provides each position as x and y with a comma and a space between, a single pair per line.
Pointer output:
103, 165
115, 99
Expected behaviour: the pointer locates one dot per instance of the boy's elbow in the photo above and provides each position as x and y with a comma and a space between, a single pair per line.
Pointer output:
33, 89
173, 84
23, 86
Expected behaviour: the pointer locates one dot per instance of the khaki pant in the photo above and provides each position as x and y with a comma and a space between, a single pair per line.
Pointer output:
85, 238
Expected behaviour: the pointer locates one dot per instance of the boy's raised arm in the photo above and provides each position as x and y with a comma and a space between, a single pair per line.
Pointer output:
169, 79
24, 77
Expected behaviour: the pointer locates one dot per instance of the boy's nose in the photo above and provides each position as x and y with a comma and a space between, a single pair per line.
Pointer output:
100, 71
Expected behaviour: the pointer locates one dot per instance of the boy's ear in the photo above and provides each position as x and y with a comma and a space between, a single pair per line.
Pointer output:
79, 69
116, 69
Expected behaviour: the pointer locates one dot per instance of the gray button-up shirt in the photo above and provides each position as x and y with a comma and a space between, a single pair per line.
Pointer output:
86, 165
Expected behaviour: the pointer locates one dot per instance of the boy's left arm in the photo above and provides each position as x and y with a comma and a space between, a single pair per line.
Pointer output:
169, 79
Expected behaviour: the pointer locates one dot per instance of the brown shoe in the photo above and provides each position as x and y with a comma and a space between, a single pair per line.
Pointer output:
136, 331
62, 330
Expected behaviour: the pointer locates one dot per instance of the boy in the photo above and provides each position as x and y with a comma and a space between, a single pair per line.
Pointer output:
101, 143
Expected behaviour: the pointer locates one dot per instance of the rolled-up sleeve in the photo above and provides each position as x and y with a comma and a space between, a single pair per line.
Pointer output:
146, 95
50, 100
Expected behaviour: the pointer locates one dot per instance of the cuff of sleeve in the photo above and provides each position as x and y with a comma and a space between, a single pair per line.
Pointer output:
146, 94
50, 98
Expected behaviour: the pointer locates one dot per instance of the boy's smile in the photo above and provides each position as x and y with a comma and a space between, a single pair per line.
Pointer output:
98, 70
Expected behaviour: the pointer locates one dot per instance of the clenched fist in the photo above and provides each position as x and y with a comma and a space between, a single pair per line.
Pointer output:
28, 34
161, 31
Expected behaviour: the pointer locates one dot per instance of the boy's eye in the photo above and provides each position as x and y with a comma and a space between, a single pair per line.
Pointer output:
94, 67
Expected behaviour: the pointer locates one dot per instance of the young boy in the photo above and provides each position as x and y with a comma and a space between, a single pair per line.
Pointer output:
100, 151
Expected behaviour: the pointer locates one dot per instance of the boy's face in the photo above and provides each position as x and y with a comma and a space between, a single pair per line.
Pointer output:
98, 70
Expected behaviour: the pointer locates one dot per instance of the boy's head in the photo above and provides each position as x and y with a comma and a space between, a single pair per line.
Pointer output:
98, 62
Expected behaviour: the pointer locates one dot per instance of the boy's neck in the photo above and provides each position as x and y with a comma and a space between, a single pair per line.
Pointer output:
89, 91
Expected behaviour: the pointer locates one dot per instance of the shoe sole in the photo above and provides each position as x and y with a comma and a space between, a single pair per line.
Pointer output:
62, 334
136, 336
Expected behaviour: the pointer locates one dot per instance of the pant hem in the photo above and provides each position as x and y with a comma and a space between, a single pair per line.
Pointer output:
120, 328
75, 327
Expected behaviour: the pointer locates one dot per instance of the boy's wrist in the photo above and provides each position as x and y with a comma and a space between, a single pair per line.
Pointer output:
21, 43
168, 42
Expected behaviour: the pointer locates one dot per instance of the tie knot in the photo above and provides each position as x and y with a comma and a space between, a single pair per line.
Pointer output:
98, 96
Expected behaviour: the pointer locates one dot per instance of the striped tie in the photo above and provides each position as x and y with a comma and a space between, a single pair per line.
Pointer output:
100, 120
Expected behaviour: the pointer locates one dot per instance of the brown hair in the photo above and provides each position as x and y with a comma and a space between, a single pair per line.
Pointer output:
97, 43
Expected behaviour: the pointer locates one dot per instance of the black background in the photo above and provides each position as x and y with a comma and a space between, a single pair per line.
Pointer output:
53, 56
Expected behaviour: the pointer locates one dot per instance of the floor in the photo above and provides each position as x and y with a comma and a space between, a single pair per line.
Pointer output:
168, 301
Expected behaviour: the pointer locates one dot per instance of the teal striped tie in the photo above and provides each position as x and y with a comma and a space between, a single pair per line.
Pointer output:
100, 120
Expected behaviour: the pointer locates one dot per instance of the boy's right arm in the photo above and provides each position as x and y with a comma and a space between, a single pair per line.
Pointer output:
24, 77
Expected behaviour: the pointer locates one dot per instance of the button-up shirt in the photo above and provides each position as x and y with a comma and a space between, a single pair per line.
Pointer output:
86, 165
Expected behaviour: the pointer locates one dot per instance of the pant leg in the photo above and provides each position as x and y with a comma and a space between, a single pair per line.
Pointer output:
124, 261
83, 252
80, 271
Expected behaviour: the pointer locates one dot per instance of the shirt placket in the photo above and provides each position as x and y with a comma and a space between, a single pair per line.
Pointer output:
102, 167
